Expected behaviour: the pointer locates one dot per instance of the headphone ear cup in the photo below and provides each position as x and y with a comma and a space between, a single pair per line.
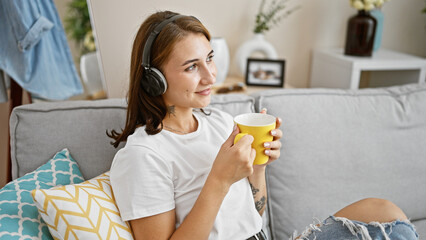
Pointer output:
154, 82
162, 82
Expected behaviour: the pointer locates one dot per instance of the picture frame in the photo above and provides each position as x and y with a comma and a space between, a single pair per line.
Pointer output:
265, 72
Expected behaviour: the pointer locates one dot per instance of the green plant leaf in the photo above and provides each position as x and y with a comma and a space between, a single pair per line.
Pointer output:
77, 22
269, 18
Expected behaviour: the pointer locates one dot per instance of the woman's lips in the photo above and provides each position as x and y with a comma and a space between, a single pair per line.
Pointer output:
205, 92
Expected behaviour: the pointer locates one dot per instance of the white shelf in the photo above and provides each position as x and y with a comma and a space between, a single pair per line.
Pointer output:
331, 68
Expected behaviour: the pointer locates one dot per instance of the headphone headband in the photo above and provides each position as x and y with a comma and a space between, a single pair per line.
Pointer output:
146, 57
153, 81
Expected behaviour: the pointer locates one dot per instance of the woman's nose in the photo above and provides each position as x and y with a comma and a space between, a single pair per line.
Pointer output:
209, 74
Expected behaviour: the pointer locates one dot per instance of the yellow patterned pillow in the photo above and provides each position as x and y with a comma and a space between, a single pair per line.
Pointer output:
82, 211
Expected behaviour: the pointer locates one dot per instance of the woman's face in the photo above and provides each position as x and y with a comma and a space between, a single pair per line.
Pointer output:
190, 73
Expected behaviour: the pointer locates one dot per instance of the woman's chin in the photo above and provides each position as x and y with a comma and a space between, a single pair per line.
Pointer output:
204, 102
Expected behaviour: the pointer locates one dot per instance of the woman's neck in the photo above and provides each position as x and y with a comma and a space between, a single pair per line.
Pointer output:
180, 120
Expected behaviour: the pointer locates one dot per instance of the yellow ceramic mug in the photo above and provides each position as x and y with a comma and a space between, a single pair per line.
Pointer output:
258, 125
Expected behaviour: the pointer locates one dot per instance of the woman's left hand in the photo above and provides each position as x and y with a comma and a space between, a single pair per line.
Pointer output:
274, 147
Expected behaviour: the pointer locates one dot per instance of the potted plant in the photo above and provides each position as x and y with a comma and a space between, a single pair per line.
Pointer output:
268, 16
79, 28
362, 28
77, 25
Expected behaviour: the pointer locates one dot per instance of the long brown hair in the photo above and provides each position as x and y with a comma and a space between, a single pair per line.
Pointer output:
143, 109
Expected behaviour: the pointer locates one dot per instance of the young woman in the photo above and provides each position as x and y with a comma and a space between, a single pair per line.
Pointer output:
179, 175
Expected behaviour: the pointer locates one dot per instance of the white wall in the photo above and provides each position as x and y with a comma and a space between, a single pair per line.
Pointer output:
319, 23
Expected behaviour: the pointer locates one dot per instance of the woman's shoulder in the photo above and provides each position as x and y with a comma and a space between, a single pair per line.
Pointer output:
136, 155
139, 144
133, 151
142, 139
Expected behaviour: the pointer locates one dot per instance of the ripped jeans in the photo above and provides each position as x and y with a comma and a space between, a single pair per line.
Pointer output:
343, 228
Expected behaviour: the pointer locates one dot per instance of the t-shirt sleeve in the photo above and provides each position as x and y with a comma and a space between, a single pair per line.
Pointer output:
142, 183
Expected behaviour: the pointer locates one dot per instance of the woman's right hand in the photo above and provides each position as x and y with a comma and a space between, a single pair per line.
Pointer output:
234, 161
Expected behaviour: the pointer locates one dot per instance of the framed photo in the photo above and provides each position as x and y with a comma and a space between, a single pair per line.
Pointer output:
265, 72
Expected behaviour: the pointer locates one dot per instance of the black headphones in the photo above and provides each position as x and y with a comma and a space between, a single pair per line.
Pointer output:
153, 81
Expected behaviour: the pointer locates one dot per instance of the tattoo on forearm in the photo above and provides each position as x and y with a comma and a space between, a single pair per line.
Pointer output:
253, 189
171, 110
261, 203
258, 204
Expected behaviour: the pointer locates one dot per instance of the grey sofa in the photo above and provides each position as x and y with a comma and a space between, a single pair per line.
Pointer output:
339, 146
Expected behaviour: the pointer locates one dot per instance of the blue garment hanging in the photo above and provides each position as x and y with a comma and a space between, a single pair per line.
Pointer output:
34, 50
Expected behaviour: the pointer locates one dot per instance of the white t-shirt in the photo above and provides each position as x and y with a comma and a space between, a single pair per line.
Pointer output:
153, 174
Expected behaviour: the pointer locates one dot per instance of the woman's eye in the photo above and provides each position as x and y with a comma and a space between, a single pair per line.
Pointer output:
210, 58
191, 68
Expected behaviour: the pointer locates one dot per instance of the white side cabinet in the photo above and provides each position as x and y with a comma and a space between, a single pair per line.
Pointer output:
332, 69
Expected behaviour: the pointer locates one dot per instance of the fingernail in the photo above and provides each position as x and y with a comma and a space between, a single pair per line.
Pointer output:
235, 127
264, 110
273, 132
266, 144
267, 152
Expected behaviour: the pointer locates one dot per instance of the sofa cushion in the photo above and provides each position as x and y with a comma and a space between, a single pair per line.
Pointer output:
41, 128
420, 227
19, 218
82, 211
233, 104
340, 146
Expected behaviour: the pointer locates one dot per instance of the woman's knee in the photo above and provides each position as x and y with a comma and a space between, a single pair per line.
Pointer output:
372, 210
